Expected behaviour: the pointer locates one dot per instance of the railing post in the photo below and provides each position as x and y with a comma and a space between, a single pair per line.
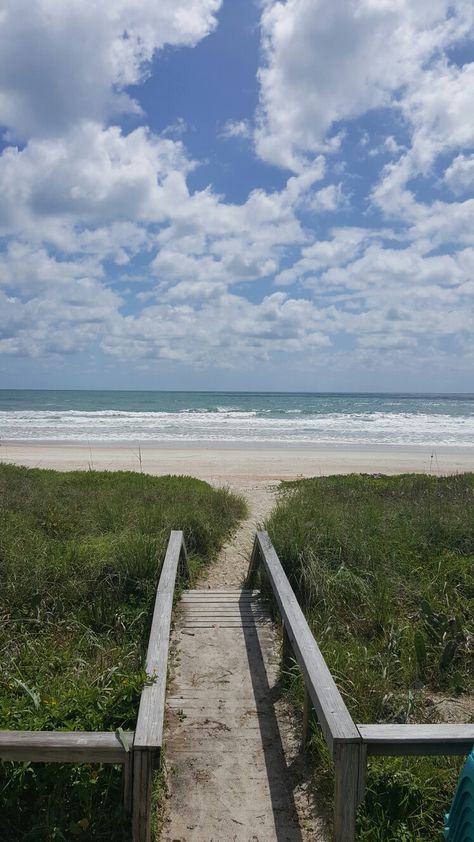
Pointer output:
346, 796
141, 810
183, 567
362, 772
287, 654
127, 783
309, 716
250, 578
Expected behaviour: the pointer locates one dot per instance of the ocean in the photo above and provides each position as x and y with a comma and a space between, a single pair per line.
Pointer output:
239, 417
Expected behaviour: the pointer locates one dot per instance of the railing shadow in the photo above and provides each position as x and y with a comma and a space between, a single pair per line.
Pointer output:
285, 815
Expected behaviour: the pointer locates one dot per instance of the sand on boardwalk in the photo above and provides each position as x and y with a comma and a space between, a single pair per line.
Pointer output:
233, 758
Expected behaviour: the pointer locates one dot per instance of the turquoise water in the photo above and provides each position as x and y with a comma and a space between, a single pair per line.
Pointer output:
271, 417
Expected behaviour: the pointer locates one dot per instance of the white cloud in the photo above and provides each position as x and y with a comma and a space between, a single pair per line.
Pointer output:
238, 330
459, 176
236, 128
66, 60
50, 306
328, 62
81, 194
91, 175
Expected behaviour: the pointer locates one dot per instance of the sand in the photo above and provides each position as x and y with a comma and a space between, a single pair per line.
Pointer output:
241, 466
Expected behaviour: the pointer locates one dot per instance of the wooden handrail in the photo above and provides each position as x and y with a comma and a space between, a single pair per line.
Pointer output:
148, 740
349, 743
421, 740
340, 732
64, 746
138, 751
334, 718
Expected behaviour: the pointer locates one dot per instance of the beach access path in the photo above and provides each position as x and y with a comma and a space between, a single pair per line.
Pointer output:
235, 771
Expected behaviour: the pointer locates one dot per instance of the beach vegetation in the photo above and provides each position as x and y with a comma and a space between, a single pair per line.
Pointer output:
383, 568
80, 556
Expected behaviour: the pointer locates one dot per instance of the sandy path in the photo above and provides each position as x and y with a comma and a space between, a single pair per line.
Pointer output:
234, 557
235, 771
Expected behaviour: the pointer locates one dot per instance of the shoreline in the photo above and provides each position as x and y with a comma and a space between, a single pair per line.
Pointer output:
239, 464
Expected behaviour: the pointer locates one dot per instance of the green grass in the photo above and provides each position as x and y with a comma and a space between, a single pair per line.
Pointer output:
80, 556
383, 567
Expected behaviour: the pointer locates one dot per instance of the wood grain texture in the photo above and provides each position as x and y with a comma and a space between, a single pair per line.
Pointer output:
142, 780
169, 569
333, 716
423, 740
346, 794
62, 746
149, 728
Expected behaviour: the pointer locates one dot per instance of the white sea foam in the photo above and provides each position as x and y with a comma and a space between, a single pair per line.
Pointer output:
234, 425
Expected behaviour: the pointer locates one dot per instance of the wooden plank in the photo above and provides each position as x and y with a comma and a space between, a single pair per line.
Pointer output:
423, 740
332, 713
362, 772
229, 592
216, 598
169, 569
63, 746
222, 615
253, 565
309, 716
346, 794
149, 728
127, 784
142, 781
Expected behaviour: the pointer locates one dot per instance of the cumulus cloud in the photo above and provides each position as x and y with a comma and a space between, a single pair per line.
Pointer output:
331, 62
65, 60
225, 324
91, 175
459, 176
107, 245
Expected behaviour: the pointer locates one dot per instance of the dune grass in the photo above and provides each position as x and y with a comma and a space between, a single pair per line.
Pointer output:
384, 570
80, 556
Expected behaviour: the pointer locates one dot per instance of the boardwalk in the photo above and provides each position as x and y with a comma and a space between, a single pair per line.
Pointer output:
229, 778
235, 772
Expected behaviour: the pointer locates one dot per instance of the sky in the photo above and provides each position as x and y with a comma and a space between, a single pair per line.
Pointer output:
245, 194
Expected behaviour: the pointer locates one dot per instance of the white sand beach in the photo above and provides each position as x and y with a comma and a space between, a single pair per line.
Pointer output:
239, 466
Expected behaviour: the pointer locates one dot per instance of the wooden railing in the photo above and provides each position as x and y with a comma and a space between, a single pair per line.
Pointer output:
349, 744
148, 740
140, 751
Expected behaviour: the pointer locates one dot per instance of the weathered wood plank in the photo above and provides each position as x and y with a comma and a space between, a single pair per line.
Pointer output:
423, 740
169, 570
142, 780
212, 592
63, 746
149, 728
127, 783
332, 713
309, 716
346, 793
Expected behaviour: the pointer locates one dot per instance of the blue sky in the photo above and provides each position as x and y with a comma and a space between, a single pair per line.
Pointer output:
252, 195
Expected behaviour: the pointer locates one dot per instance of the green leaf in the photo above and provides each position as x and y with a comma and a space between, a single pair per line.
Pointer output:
123, 739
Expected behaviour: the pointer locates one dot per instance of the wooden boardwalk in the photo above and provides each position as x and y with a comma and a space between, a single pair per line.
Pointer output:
227, 771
